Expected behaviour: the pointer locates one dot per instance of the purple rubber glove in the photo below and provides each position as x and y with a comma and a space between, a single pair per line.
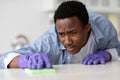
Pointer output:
34, 61
23, 61
100, 57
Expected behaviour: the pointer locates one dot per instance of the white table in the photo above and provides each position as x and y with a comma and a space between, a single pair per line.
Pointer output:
109, 71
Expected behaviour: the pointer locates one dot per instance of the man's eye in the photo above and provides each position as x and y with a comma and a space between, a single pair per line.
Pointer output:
61, 34
72, 33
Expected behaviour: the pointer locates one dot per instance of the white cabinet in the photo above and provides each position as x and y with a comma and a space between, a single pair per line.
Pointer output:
104, 6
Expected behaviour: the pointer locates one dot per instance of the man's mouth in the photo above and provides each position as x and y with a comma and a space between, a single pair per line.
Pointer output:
70, 49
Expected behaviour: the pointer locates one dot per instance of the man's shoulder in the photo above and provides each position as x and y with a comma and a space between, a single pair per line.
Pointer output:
100, 21
97, 17
101, 26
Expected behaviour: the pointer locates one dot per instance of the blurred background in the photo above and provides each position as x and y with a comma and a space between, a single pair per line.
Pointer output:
23, 21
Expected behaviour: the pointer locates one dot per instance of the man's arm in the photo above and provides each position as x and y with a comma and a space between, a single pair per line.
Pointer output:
14, 62
32, 61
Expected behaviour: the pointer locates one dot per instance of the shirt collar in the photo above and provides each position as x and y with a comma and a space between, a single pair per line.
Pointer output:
97, 33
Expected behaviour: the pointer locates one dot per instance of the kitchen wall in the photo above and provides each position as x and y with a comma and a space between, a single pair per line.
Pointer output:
25, 17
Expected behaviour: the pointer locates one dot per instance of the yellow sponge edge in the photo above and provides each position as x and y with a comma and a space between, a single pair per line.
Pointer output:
40, 71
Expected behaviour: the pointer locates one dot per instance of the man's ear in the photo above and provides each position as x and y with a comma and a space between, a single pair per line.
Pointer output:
87, 27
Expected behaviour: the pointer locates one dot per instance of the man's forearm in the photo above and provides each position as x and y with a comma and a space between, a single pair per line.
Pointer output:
14, 63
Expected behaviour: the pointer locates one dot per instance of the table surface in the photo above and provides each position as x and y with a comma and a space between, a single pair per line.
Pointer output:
109, 71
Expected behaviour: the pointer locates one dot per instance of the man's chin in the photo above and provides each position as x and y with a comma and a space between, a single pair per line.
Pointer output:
73, 52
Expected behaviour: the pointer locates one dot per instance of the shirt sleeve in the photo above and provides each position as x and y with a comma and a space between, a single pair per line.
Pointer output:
113, 53
9, 58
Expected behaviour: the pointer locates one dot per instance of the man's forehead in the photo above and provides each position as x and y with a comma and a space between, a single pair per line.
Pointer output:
68, 27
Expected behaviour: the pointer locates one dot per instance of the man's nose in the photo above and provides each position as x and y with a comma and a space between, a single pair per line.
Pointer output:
68, 40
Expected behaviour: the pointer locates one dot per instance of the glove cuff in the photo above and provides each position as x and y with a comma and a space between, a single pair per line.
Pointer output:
105, 54
23, 61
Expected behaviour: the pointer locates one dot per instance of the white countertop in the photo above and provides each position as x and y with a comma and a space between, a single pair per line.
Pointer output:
109, 71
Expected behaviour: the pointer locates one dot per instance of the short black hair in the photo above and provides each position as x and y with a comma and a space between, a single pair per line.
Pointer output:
72, 8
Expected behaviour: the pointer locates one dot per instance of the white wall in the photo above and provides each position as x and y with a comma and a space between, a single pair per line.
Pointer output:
21, 17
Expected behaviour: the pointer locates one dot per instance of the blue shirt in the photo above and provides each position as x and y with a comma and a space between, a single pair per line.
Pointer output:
103, 30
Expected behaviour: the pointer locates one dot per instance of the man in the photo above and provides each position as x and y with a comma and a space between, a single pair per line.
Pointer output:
76, 37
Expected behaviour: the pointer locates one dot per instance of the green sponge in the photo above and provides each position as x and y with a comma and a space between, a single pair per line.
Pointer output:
40, 71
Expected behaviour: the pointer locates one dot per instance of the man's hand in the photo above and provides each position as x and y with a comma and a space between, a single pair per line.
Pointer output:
100, 57
34, 61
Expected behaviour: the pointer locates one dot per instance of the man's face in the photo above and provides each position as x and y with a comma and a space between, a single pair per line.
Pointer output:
72, 34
